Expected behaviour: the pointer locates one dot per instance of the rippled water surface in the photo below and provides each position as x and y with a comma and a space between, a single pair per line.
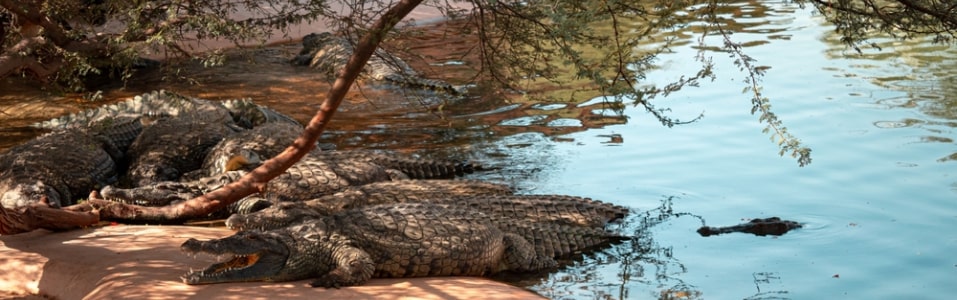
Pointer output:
878, 202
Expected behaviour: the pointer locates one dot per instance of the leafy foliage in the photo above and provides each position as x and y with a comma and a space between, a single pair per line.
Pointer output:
519, 41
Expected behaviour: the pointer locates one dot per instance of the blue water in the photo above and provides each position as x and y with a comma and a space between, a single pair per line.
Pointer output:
879, 200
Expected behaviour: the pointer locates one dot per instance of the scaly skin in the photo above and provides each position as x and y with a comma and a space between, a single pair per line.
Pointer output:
243, 112
401, 240
247, 149
251, 115
413, 168
157, 103
58, 167
287, 213
170, 147
329, 53
309, 178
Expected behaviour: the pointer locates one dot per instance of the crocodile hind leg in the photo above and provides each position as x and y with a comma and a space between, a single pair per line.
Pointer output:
353, 267
520, 255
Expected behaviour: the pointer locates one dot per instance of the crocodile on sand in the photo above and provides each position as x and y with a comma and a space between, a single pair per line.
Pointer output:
329, 53
178, 133
403, 240
60, 166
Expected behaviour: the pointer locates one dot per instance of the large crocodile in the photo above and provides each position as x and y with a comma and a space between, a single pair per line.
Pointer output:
58, 167
248, 148
309, 178
329, 53
164, 103
401, 240
287, 213
170, 147
481, 196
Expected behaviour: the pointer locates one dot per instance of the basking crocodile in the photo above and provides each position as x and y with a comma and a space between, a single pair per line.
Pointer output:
286, 213
249, 148
181, 130
309, 178
559, 209
759, 227
329, 53
170, 147
399, 240
58, 168
244, 112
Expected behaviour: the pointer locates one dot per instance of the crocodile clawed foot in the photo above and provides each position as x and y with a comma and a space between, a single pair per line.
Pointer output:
325, 282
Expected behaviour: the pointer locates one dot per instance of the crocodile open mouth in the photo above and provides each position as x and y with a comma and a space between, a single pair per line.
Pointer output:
234, 263
241, 259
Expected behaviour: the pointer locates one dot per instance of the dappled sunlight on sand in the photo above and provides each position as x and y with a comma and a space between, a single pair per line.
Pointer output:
144, 262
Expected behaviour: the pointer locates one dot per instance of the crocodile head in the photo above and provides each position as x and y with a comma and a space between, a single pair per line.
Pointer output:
23, 194
286, 254
248, 256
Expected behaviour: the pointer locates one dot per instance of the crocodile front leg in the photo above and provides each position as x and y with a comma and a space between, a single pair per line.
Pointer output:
353, 267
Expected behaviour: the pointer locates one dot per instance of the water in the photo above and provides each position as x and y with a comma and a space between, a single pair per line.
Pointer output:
878, 201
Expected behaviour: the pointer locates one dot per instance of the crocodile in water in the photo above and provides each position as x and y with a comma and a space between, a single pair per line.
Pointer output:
329, 53
60, 167
759, 227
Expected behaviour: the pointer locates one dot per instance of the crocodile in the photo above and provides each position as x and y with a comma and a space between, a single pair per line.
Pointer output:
287, 213
559, 209
58, 167
393, 240
244, 112
170, 147
329, 53
248, 148
309, 178
759, 227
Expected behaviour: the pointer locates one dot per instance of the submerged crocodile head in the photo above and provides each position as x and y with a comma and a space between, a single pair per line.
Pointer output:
280, 255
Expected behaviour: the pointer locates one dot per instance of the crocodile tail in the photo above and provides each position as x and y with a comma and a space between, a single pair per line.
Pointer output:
559, 240
415, 168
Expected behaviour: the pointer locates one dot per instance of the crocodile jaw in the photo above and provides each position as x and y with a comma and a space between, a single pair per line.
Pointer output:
250, 256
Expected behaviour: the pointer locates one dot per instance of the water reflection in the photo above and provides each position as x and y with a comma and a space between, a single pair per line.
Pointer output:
923, 71
875, 209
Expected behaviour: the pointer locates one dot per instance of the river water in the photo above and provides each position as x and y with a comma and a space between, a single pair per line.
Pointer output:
877, 203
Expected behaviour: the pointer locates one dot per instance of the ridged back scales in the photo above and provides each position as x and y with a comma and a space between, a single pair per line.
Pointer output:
171, 147
383, 192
